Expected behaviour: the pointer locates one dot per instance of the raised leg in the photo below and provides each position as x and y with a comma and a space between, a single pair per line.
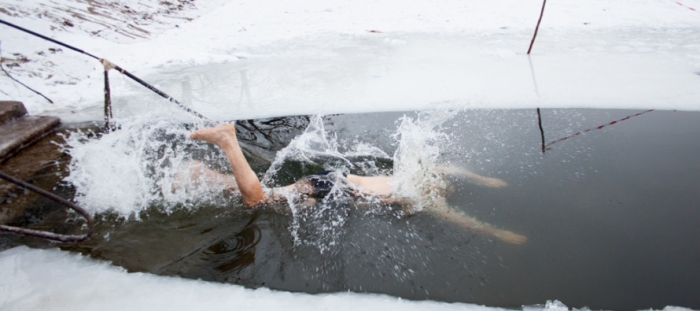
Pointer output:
224, 136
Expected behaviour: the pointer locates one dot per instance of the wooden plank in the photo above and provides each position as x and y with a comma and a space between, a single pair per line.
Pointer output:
20, 133
11, 110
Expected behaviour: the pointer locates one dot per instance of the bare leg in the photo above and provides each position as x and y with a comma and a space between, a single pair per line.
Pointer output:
448, 213
471, 176
224, 136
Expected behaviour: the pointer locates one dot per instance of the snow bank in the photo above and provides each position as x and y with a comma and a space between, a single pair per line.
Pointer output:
245, 59
368, 55
32, 279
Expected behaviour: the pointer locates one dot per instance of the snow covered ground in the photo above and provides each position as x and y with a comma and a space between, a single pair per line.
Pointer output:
242, 59
54, 280
333, 56
34, 279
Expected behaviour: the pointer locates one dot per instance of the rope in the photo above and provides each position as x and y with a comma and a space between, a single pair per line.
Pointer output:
593, 129
108, 65
26, 86
685, 6
46, 234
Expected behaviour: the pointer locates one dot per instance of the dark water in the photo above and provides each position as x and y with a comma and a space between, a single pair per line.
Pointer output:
611, 217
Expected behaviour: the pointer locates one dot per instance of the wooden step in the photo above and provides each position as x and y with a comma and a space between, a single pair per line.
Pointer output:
17, 130
11, 110
20, 133
25, 155
42, 164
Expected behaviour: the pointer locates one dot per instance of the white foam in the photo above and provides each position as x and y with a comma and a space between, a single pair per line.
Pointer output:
415, 159
128, 170
145, 162
418, 149
314, 142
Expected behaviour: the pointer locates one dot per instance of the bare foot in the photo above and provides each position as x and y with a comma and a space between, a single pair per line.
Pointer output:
510, 237
218, 135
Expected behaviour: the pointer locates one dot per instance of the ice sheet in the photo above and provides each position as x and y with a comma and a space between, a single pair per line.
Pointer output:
331, 56
35, 279
605, 54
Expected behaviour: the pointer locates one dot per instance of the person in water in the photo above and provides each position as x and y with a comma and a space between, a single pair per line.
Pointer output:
321, 184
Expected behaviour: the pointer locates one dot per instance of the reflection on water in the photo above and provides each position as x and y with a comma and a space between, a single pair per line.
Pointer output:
223, 258
546, 146
236, 253
611, 217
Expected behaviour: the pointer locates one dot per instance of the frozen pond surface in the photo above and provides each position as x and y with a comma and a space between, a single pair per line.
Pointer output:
610, 216
330, 56
411, 72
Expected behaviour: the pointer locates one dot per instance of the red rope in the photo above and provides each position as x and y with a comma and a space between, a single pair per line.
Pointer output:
595, 128
685, 6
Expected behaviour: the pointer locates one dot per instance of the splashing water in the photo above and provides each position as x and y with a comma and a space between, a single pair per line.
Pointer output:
320, 225
414, 163
141, 166
134, 168
308, 148
419, 141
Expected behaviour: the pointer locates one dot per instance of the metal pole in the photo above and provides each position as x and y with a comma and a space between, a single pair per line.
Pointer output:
537, 28
45, 234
